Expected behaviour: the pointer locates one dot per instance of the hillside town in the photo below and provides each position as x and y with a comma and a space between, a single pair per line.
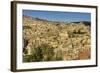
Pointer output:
45, 40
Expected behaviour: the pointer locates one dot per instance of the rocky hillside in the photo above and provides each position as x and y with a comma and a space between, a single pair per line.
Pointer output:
52, 41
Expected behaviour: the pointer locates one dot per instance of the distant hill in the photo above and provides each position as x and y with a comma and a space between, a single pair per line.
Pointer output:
84, 22
33, 18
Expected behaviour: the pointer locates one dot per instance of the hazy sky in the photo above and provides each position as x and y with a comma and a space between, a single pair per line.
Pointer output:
58, 16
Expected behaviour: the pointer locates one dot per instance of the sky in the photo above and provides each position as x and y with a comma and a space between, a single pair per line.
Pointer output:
58, 15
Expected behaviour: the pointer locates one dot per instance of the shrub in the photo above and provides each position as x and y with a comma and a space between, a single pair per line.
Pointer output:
41, 53
59, 56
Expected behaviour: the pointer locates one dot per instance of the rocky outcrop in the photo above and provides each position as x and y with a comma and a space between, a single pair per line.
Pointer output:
50, 41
